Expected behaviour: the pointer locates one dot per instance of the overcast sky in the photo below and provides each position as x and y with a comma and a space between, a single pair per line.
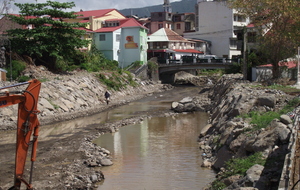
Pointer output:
103, 4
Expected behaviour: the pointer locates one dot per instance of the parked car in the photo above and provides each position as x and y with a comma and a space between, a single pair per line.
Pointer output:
210, 57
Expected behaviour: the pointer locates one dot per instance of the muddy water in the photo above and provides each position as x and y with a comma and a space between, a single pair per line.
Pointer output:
160, 153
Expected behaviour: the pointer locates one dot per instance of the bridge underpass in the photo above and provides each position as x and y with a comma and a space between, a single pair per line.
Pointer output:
167, 71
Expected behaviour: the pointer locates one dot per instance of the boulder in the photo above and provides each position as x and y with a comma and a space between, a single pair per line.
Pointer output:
267, 100
285, 119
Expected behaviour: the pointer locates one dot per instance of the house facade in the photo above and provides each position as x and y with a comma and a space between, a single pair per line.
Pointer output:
124, 41
183, 22
165, 44
221, 26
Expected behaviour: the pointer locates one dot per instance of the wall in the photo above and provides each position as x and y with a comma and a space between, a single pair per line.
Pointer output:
215, 23
106, 46
130, 46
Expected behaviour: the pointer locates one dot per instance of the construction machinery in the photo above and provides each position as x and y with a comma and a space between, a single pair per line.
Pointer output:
27, 126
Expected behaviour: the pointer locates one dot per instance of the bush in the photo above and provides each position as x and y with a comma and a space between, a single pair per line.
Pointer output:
152, 66
234, 68
23, 79
17, 68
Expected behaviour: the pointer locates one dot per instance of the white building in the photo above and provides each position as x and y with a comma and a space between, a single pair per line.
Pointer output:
220, 25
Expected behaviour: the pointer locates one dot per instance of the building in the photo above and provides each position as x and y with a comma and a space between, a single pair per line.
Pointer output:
221, 26
183, 22
95, 20
122, 40
165, 44
179, 22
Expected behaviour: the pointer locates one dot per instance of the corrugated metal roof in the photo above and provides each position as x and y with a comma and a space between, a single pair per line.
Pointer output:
165, 35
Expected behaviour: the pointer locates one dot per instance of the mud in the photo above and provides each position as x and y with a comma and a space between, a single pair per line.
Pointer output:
73, 162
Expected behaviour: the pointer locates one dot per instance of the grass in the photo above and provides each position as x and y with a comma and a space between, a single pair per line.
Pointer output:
238, 166
284, 88
262, 120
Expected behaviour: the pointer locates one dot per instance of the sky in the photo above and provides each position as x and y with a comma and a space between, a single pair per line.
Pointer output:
86, 5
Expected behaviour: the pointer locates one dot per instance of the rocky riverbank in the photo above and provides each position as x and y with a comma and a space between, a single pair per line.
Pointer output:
229, 136
72, 162
77, 94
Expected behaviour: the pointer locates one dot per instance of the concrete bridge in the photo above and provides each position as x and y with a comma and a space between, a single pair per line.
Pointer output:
167, 71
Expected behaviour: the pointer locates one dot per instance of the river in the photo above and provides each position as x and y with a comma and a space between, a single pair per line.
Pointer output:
159, 153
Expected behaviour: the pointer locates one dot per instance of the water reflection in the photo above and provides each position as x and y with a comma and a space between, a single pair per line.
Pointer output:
160, 153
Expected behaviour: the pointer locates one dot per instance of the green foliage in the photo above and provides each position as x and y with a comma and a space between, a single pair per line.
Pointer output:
217, 185
262, 120
291, 105
94, 61
51, 37
280, 19
23, 78
234, 68
238, 166
129, 78
241, 165
115, 80
152, 66
17, 68
286, 89
211, 72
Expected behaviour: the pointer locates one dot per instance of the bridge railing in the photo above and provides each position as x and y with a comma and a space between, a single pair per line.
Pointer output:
196, 61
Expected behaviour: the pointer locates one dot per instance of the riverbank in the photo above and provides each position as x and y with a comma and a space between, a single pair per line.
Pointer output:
230, 135
73, 162
77, 94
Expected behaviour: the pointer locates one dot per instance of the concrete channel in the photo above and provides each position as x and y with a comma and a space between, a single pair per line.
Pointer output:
290, 178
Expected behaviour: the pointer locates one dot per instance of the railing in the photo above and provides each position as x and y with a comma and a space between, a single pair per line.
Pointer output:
195, 61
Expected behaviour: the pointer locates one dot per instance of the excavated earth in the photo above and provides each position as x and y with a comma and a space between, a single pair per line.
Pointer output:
73, 162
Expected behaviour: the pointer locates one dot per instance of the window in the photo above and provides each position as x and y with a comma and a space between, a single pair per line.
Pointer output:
239, 18
102, 37
233, 43
118, 37
178, 26
160, 26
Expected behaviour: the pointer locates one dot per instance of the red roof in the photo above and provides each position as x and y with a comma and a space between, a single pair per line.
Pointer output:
176, 50
288, 64
26, 17
187, 50
96, 13
127, 22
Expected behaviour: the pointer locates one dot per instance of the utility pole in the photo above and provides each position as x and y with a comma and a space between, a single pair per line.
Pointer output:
298, 74
245, 53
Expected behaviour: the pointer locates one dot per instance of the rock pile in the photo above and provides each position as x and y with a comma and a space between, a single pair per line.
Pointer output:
227, 136
64, 97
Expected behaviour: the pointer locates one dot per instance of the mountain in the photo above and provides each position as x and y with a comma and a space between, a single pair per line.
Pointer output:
183, 6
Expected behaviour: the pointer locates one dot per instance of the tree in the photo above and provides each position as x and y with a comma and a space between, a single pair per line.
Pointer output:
278, 27
46, 37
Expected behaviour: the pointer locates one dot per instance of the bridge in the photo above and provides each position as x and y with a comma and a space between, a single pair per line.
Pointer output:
167, 70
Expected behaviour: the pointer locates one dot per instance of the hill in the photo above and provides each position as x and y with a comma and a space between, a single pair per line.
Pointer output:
183, 6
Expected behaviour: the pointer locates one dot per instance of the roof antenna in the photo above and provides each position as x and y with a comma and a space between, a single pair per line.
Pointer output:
167, 6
